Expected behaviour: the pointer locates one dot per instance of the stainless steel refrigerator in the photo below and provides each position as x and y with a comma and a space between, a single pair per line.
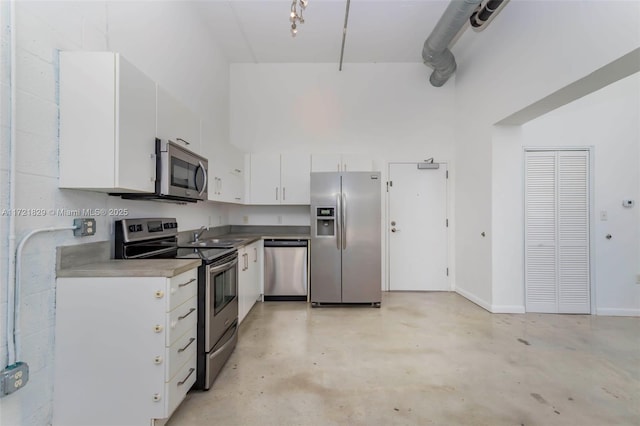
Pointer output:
345, 238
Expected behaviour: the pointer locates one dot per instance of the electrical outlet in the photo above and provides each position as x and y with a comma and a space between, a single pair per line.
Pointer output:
13, 378
84, 227
245, 219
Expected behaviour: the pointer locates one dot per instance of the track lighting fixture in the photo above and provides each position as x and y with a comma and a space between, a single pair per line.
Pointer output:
295, 17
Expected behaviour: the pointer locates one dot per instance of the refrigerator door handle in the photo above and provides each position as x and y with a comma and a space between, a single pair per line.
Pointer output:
344, 221
338, 221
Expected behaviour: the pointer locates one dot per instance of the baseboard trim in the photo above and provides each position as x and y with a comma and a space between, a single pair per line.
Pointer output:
473, 298
618, 312
507, 309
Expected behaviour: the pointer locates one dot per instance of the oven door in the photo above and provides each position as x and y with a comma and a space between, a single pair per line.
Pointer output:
184, 173
221, 300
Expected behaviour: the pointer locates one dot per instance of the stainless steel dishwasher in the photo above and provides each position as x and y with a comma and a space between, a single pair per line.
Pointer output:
285, 269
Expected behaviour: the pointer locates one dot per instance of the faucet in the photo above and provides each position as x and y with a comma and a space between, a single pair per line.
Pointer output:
197, 234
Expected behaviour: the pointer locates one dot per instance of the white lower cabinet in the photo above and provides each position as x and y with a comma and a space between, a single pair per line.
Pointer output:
250, 276
125, 349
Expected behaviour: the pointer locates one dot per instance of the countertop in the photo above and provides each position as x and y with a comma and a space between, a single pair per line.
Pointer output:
131, 268
92, 259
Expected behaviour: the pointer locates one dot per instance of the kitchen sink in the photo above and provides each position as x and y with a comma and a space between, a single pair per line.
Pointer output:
216, 242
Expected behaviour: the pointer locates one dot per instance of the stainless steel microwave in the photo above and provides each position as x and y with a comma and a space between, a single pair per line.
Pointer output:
180, 173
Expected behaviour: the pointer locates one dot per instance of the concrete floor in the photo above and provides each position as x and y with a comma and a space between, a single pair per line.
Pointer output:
423, 358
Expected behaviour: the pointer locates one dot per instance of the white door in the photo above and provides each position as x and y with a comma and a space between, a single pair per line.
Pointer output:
417, 228
557, 273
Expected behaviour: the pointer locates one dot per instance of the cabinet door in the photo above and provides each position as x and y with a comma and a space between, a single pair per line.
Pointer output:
257, 259
236, 174
244, 283
107, 124
326, 163
265, 179
295, 175
136, 124
212, 149
176, 122
356, 163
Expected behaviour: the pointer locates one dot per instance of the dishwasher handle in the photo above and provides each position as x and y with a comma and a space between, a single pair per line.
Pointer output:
286, 243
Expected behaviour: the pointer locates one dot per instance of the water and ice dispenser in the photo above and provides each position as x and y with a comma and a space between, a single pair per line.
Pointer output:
325, 222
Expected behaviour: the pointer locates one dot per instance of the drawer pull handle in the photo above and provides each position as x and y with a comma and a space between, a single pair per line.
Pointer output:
156, 397
157, 328
191, 370
193, 339
187, 314
159, 294
157, 360
187, 283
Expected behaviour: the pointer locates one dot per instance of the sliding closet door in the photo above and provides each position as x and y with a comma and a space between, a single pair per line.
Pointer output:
557, 275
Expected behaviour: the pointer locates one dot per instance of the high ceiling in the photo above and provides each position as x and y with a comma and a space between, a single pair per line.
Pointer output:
378, 30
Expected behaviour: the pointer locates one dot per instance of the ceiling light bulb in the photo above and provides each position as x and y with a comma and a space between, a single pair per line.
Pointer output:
294, 30
293, 14
303, 3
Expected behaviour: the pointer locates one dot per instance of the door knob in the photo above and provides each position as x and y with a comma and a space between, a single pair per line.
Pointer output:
393, 223
608, 237
393, 229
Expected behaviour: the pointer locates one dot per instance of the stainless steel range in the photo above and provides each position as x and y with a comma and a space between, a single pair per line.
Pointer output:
156, 238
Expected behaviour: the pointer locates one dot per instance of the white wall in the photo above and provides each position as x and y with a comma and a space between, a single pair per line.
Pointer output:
532, 49
386, 112
269, 215
168, 42
607, 120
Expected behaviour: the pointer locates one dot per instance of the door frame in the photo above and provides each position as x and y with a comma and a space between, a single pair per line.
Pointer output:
592, 266
450, 228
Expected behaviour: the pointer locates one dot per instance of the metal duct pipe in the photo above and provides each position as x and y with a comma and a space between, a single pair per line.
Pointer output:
436, 53
483, 15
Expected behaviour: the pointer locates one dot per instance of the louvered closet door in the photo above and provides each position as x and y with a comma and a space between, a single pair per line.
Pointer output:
557, 231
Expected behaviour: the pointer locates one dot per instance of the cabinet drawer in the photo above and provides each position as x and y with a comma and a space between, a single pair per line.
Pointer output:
182, 287
180, 320
177, 388
182, 351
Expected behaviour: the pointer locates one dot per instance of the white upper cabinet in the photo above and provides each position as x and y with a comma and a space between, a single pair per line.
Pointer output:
226, 167
177, 123
107, 124
340, 163
265, 179
232, 183
280, 179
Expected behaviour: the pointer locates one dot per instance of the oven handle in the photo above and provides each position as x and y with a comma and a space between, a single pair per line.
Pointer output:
223, 266
152, 253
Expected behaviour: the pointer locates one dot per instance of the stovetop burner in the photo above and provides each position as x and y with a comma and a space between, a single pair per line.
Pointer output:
157, 238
